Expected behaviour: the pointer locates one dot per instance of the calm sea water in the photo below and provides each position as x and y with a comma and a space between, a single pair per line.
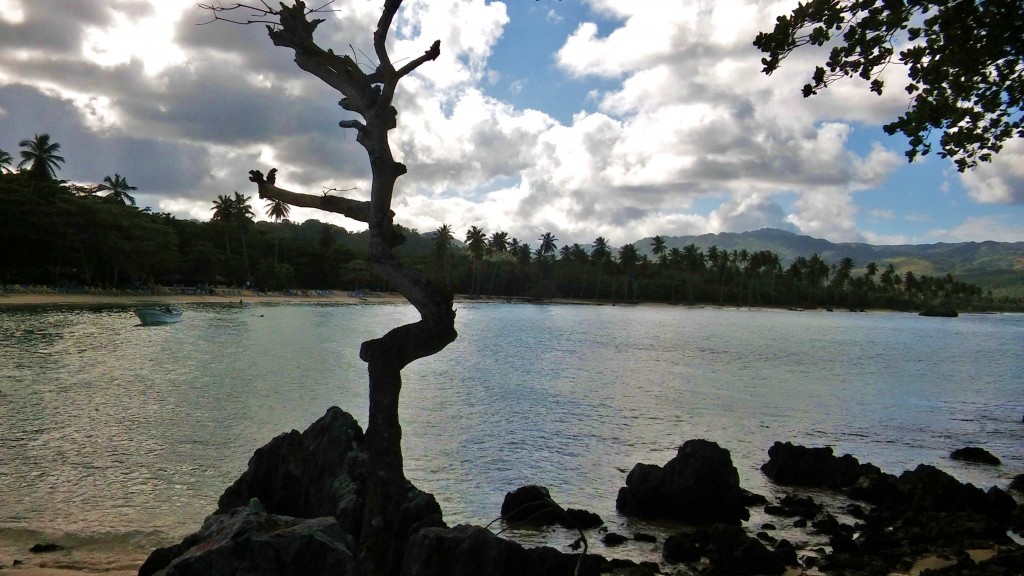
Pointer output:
112, 432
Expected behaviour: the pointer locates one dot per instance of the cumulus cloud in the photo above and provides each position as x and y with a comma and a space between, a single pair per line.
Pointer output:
751, 212
1002, 180
680, 115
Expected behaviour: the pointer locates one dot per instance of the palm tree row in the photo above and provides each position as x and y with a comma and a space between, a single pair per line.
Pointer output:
680, 275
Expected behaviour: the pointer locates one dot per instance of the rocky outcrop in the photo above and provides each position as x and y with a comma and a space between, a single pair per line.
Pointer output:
921, 512
471, 551
793, 465
976, 455
730, 550
307, 475
699, 485
248, 540
532, 505
301, 492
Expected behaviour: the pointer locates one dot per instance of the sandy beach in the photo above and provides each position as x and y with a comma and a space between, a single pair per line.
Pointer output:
47, 297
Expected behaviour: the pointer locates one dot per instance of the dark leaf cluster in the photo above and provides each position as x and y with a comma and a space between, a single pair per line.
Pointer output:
963, 59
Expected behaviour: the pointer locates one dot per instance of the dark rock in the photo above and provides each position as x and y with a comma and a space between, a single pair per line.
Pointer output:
792, 465
581, 519
554, 563
826, 523
750, 558
683, 547
643, 537
765, 537
753, 499
856, 510
45, 547
613, 539
472, 550
699, 485
926, 488
976, 455
248, 540
786, 553
308, 475
874, 488
1000, 504
768, 526
802, 506
722, 538
531, 504
464, 551
1017, 483
731, 551
800, 522
313, 484
842, 543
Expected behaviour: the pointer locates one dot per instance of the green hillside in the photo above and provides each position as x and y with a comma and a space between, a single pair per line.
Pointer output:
996, 266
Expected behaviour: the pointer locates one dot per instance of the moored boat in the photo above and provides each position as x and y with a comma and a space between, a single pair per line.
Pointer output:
163, 315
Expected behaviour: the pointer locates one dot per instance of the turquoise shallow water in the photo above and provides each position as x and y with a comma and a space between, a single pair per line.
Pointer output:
113, 431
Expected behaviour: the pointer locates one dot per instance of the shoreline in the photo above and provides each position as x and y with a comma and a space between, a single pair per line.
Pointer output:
38, 298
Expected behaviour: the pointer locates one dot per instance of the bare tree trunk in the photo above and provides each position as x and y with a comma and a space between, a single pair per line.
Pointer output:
370, 95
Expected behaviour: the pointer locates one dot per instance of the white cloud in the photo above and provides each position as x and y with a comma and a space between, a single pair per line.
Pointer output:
12, 11
140, 30
748, 212
681, 114
1002, 180
999, 228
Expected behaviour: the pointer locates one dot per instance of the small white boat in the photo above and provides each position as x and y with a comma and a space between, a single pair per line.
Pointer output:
153, 316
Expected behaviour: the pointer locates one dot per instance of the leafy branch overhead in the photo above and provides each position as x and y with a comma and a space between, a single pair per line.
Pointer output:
963, 60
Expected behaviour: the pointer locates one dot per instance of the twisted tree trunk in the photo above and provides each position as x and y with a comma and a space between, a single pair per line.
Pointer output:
370, 96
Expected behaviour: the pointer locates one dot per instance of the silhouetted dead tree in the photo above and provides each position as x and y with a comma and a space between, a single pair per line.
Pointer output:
370, 96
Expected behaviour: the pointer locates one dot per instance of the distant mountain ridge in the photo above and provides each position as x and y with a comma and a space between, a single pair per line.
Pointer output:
996, 266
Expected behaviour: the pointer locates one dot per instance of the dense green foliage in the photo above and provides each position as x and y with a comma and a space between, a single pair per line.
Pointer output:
66, 236
963, 58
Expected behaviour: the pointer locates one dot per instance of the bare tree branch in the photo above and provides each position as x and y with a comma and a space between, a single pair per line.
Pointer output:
354, 209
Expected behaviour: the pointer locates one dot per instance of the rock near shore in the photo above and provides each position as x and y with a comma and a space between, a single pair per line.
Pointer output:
699, 485
298, 510
302, 491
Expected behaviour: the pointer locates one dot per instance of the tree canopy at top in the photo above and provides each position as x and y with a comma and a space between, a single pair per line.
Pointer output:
963, 58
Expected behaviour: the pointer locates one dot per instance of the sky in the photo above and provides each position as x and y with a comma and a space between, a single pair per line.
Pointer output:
584, 118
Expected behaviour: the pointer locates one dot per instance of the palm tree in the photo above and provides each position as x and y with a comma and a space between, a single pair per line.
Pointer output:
476, 241
498, 242
5, 161
277, 211
40, 155
547, 244
243, 216
119, 189
565, 253
442, 243
498, 246
599, 256
224, 212
628, 257
658, 249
